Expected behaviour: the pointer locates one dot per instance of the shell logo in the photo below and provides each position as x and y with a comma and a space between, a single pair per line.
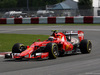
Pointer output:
60, 37
81, 35
28, 48
66, 47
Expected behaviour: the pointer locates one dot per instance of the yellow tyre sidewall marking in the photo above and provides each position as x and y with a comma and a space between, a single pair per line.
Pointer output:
88, 46
21, 45
52, 50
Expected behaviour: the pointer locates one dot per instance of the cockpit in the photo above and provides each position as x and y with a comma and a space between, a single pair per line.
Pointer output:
51, 38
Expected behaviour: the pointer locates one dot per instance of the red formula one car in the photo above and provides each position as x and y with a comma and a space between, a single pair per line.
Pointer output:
58, 44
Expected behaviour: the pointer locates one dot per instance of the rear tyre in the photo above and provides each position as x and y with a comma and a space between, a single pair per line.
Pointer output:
85, 46
52, 48
18, 48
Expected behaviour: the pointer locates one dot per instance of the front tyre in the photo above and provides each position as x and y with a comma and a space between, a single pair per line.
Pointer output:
52, 48
18, 48
85, 46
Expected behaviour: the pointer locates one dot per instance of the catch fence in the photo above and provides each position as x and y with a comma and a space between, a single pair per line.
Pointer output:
55, 13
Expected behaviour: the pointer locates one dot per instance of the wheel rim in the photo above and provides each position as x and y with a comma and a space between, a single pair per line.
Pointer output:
55, 51
89, 46
21, 48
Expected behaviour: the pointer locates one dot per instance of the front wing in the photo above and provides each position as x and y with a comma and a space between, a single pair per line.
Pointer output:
17, 55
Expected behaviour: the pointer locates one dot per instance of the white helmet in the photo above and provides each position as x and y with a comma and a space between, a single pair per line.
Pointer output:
51, 38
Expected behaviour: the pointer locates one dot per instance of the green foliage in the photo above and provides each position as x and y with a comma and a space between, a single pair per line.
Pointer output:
85, 4
8, 3
23, 3
50, 2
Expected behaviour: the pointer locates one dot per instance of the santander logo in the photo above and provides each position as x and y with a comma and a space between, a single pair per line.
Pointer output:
81, 35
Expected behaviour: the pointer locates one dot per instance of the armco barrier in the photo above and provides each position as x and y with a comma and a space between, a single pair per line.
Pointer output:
18, 21
78, 19
10, 21
35, 20
51, 20
69, 20
26, 20
88, 19
43, 20
96, 19
3, 21
60, 20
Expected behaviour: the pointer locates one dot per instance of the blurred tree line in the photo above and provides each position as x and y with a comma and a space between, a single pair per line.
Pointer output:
85, 4
39, 4
23, 3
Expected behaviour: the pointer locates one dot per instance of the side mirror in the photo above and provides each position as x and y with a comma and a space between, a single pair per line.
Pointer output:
28, 47
38, 40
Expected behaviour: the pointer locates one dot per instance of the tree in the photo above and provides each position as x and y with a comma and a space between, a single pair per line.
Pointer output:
85, 4
8, 3
51, 2
42, 3
85, 7
23, 3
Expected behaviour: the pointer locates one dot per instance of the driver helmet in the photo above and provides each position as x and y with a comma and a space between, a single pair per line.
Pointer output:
51, 38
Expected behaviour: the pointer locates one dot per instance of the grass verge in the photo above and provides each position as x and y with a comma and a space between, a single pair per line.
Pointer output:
8, 40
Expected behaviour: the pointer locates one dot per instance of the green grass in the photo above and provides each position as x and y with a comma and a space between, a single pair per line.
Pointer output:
8, 40
48, 24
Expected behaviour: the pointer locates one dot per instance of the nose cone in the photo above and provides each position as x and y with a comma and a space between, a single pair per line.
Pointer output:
26, 52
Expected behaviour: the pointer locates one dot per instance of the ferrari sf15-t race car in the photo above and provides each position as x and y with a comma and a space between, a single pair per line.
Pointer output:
58, 44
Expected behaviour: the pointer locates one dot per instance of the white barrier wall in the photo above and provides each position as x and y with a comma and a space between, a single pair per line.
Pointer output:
43, 20
96, 19
10, 20
60, 20
78, 19
51, 20
26, 20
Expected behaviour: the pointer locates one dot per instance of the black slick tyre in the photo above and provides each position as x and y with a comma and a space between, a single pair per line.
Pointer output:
18, 48
85, 46
52, 48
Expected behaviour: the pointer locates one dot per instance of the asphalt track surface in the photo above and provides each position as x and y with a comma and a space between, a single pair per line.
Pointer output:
81, 64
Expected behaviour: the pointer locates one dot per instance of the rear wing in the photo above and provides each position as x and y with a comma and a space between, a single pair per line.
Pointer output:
80, 34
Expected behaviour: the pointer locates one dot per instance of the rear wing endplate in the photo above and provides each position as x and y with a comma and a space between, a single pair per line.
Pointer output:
80, 34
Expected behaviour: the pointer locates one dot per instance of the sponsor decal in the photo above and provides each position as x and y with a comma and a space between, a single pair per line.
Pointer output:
81, 35
28, 48
16, 54
66, 47
43, 44
60, 37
